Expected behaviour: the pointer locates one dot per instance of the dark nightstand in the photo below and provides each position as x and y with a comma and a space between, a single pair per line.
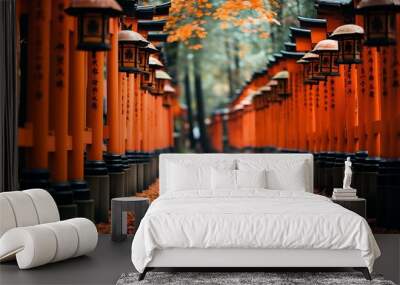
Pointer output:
357, 205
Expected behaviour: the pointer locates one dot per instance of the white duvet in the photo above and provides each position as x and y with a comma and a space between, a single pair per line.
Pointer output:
253, 218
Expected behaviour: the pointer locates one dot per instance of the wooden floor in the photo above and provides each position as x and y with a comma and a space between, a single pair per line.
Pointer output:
111, 259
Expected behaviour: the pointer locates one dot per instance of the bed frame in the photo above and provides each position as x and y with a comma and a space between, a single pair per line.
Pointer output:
242, 259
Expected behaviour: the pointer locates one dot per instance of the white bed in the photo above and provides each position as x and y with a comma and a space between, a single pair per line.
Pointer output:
249, 227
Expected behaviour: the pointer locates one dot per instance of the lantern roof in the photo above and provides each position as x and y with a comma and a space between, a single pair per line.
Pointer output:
326, 45
157, 37
302, 61
169, 89
238, 107
290, 46
161, 74
335, 3
278, 55
265, 88
147, 12
151, 48
152, 25
292, 54
310, 56
299, 32
133, 37
349, 29
155, 63
372, 4
311, 22
272, 82
284, 74
110, 7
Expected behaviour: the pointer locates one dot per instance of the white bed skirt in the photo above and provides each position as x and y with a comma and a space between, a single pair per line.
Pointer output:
192, 257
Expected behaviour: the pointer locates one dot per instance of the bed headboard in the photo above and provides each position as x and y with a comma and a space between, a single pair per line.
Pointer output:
210, 157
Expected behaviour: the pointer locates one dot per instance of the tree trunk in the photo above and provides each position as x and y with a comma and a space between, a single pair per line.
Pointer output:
236, 65
200, 104
229, 70
188, 98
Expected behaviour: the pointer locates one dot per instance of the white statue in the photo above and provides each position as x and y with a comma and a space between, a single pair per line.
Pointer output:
347, 174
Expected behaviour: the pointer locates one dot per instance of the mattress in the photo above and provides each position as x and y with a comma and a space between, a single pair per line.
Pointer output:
251, 219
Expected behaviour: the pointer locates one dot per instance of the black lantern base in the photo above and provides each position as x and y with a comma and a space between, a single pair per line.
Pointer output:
352, 61
330, 74
129, 69
93, 47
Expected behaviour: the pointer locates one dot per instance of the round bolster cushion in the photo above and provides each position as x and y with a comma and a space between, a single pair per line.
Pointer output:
41, 244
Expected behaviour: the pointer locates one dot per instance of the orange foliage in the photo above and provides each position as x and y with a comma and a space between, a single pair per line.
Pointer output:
187, 18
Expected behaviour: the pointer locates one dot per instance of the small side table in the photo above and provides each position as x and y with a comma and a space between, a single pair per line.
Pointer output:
119, 208
357, 205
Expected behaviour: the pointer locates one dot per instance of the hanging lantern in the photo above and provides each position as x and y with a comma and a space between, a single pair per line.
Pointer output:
273, 84
328, 51
312, 69
257, 101
144, 54
379, 21
283, 83
307, 72
93, 22
149, 78
161, 78
349, 38
266, 92
169, 91
129, 43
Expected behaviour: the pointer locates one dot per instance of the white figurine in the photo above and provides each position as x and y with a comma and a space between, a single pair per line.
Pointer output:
347, 174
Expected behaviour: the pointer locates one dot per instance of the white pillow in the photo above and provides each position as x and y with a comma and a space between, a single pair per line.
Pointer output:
282, 174
251, 178
182, 177
223, 179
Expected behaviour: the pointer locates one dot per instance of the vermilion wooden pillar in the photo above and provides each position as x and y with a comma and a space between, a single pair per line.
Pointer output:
59, 89
94, 108
113, 102
77, 88
130, 142
38, 82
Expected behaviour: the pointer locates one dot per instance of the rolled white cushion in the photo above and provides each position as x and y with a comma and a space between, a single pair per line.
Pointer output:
45, 205
7, 218
37, 245
67, 240
33, 246
23, 208
87, 235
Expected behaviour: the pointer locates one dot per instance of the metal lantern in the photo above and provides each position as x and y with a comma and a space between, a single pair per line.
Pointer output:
312, 69
257, 101
283, 83
265, 91
144, 54
328, 51
379, 21
129, 43
273, 84
307, 72
149, 78
93, 22
161, 78
169, 91
349, 38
